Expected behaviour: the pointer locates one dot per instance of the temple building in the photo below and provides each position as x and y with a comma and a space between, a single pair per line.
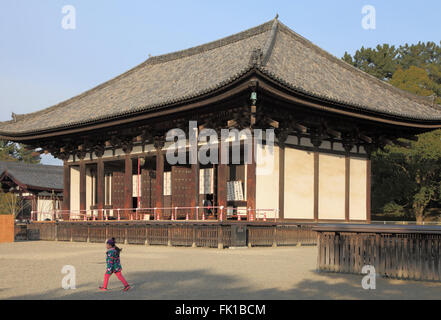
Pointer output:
39, 188
327, 116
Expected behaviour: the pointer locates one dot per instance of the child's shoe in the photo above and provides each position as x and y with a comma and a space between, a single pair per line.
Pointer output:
126, 288
103, 289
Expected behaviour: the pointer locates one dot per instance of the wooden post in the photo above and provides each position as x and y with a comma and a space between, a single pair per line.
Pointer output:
368, 190
101, 188
316, 140
347, 186
222, 169
275, 237
34, 203
281, 180
220, 240
128, 183
66, 191
193, 244
147, 243
195, 192
159, 185
83, 187
316, 186
251, 181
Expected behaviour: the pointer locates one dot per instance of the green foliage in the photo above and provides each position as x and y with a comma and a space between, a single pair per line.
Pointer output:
406, 178
405, 64
10, 151
409, 177
380, 62
415, 80
394, 209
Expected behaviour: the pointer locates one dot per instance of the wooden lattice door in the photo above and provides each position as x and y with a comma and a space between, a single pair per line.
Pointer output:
148, 180
118, 190
182, 189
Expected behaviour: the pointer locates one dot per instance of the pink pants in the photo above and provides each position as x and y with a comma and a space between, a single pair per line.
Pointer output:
120, 277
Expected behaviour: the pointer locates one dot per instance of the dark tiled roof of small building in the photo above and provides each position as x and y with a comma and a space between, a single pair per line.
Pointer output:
34, 175
287, 57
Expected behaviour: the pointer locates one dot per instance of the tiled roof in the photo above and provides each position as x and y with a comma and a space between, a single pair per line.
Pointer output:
286, 57
35, 175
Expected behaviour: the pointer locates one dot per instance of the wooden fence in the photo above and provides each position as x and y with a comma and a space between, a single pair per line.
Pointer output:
187, 234
281, 235
400, 252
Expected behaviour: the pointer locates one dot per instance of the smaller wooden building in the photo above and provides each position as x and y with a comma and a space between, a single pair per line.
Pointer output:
39, 188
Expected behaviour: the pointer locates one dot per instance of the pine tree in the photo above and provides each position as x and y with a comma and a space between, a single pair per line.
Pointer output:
10, 151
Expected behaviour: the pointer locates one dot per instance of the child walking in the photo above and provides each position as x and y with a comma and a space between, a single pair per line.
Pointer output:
113, 265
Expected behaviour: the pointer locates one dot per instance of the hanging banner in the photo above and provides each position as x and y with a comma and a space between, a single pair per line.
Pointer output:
135, 186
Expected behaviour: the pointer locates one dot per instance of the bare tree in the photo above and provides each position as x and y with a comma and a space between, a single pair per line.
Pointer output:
12, 203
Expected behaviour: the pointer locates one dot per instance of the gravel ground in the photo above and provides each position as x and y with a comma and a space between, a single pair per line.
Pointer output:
32, 270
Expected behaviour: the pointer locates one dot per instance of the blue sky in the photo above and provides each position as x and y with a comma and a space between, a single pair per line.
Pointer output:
42, 64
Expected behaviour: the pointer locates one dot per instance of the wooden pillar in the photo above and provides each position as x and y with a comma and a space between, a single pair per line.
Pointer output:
316, 140
34, 203
282, 139
222, 170
66, 191
128, 183
83, 187
368, 190
100, 188
316, 186
195, 192
347, 186
251, 181
159, 184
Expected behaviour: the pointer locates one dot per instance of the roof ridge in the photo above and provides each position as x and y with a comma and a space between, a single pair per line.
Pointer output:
157, 60
351, 68
269, 45
211, 45
25, 164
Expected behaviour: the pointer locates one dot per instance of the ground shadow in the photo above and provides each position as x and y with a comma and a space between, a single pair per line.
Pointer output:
201, 284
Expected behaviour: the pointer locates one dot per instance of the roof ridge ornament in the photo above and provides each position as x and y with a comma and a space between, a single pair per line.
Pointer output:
16, 117
256, 57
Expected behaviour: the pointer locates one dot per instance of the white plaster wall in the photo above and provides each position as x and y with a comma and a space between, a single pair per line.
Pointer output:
149, 148
299, 184
74, 189
326, 145
137, 149
338, 146
119, 152
292, 140
331, 187
108, 154
306, 142
357, 193
267, 180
